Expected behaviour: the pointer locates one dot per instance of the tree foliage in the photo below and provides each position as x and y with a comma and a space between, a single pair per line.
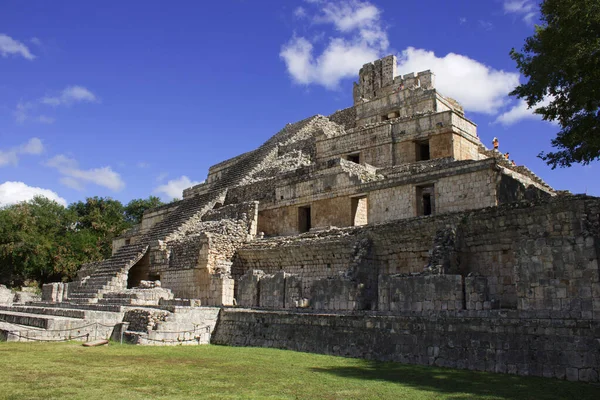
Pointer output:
42, 241
134, 210
562, 62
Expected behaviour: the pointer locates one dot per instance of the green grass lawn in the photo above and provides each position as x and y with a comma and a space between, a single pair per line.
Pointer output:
68, 370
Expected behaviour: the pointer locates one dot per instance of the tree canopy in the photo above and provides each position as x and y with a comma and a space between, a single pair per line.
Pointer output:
562, 62
42, 241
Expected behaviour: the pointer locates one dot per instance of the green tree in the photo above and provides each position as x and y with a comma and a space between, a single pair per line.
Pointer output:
562, 62
100, 220
134, 210
31, 236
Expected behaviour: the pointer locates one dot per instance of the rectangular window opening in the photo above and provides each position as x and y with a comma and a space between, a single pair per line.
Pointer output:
304, 220
422, 151
355, 158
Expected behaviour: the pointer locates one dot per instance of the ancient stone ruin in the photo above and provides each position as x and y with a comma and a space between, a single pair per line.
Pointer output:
385, 231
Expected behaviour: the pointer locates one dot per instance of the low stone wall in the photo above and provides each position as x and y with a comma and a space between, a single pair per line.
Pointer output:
514, 342
144, 319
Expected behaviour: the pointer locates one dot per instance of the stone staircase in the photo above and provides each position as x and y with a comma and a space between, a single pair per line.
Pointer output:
110, 275
28, 322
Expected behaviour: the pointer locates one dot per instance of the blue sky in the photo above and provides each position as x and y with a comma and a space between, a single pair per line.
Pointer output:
129, 99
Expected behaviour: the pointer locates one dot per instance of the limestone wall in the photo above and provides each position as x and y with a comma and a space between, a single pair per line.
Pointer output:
514, 342
532, 257
309, 259
420, 293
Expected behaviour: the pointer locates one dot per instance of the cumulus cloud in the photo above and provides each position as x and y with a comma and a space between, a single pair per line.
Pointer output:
10, 46
360, 38
478, 87
15, 192
174, 188
526, 9
76, 178
11, 156
520, 112
71, 95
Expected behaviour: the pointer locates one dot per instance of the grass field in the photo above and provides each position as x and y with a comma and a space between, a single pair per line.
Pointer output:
68, 370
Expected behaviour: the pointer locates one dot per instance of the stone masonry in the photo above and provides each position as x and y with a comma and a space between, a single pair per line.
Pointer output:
386, 230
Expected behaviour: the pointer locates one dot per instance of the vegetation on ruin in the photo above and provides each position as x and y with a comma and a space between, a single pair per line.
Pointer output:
68, 370
42, 241
562, 62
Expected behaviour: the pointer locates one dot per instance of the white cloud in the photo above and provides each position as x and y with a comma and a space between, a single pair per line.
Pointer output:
71, 95
15, 192
76, 178
21, 113
8, 157
478, 87
174, 188
527, 9
485, 25
33, 147
348, 16
361, 39
161, 177
520, 112
68, 96
10, 46
300, 12
44, 119
36, 41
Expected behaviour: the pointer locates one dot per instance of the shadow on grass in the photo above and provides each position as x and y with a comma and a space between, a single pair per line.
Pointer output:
462, 384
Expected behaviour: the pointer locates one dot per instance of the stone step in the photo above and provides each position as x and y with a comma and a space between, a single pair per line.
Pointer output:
78, 306
39, 321
59, 312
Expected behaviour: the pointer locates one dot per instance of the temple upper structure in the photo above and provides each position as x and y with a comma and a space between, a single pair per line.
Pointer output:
402, 150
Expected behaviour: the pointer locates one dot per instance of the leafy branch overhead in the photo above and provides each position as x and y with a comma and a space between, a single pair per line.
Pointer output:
562, 62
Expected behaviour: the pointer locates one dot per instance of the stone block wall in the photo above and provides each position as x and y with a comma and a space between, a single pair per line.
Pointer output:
248, 292
542, 256
420, 293
272, 290
465, 192
278, 291
55, 292
311, 258
337, 294
514, 342
477, 294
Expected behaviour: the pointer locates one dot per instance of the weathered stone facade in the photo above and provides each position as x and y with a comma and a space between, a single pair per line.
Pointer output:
386, 230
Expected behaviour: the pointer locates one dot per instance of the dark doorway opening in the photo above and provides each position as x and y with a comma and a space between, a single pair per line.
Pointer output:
304, 219
425, 200
140, 272
422, 151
